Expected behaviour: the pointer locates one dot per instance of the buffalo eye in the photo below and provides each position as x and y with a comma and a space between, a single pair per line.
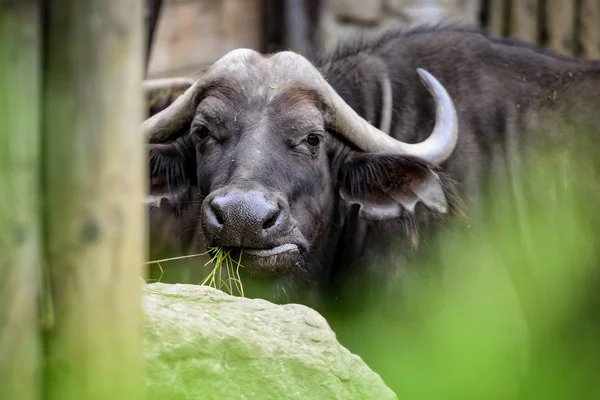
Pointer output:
313, 139
200, 132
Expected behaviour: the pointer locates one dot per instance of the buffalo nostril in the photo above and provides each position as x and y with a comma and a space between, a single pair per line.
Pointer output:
215, 215
271, 220
219, 218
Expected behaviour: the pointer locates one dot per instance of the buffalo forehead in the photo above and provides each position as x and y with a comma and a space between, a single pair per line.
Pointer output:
281, 85
267, 75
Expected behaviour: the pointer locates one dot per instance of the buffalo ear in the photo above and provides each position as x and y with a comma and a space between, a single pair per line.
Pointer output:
390, 186
172, 173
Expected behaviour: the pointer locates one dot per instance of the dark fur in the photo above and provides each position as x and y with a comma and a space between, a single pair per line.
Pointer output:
498, 86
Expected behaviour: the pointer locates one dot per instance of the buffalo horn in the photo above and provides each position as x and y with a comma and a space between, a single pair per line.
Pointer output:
163, 125
178, 83
435, 149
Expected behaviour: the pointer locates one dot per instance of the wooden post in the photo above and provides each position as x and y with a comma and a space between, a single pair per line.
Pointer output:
524, 20
153, 12
19, 217
497, 11
93, 180
561, 25
590, 28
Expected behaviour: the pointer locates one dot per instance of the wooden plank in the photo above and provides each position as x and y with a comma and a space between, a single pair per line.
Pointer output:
524, 20
19, 217
153, 13
590, 28
561, 26
497, 12
93, 177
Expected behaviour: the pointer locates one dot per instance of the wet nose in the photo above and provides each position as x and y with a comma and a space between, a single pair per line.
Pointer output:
239, 218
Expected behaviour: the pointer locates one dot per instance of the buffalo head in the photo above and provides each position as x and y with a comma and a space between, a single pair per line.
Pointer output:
276, 156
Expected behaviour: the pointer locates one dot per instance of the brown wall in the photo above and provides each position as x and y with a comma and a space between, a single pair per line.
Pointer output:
342, 17
194, 33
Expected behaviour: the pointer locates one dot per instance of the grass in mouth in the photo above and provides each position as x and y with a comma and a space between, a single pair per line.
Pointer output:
230, 283
215, 278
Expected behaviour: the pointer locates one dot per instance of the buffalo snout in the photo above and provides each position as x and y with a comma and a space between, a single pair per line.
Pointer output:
244, 218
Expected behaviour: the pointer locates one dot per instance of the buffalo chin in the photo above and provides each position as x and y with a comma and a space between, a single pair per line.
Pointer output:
279, 260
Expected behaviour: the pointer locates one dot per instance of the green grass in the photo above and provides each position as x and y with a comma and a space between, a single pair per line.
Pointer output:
232, 281
225, 274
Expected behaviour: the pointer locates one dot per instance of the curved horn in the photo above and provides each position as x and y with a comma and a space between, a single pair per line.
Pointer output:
151, 85
435, 149
161, 126
165, 124
288, 66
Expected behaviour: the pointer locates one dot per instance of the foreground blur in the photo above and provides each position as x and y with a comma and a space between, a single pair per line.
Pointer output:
508, 306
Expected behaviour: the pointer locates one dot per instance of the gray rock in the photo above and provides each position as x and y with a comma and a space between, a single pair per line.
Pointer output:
204, 344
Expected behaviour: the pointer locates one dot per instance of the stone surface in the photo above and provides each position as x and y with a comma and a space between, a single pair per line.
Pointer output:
204, 344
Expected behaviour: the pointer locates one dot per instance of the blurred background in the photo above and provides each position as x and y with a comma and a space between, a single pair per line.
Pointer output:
191, 34
509, 311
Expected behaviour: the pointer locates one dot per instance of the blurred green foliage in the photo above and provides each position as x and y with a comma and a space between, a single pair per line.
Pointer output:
512, 310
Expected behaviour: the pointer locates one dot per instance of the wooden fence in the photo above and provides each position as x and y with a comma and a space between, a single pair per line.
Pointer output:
570, 27
72, 234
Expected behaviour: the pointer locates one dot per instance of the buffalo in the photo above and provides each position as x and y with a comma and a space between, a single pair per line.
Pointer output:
309, 168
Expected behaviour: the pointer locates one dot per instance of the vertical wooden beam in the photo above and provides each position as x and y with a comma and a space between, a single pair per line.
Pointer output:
296, 26
273, 32
497, 15
561, 25
590, 28
314, 12
524, 20
93, 179
19, 189
153, 11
